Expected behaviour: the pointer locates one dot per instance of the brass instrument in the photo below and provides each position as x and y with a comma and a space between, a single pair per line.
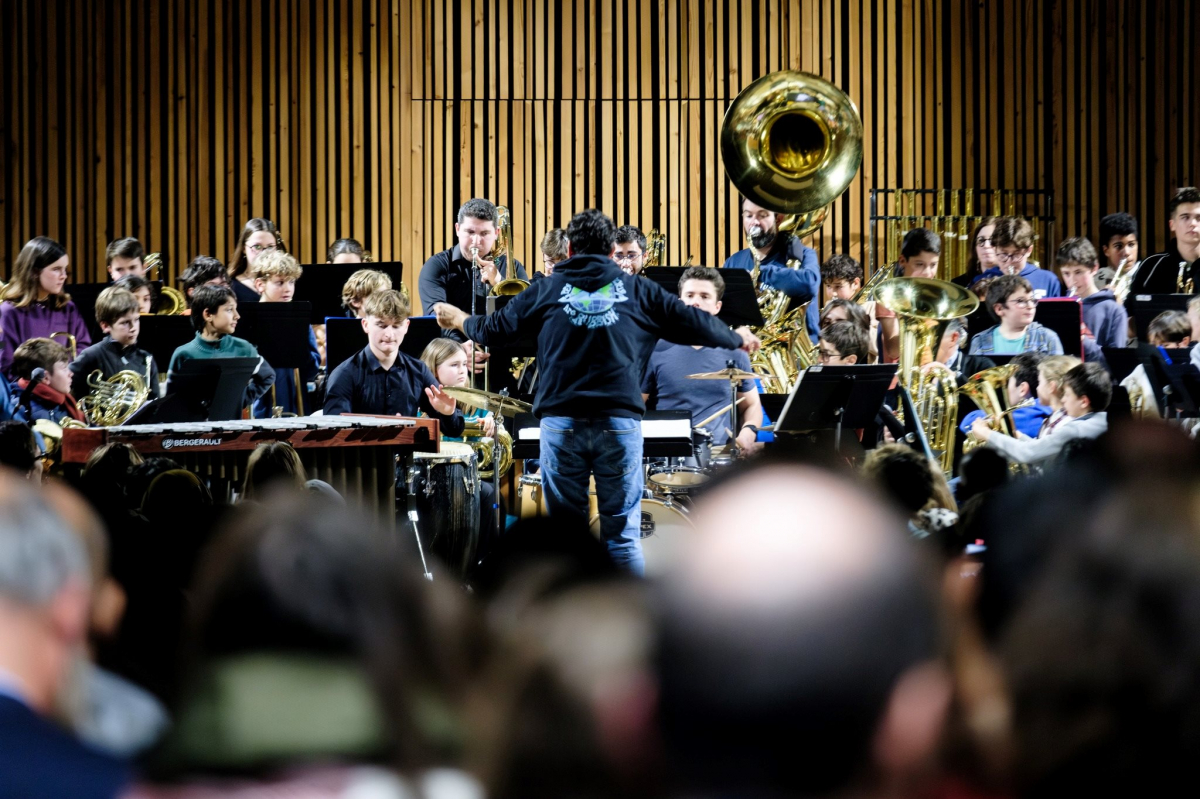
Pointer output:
1122, 280
72, 344
791, 142
114, 400
513, 285
152, 262
656, 249
1182, 285
482, 445
987, 390
170, 302
924, 308
865, 294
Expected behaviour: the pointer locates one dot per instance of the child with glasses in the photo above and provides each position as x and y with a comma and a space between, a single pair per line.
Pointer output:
1011, 301
259, 237
1012, 242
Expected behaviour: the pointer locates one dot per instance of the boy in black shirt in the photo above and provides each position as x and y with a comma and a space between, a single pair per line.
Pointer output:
119, 318
381, 379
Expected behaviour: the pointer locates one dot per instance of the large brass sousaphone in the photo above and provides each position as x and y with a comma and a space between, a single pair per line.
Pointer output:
791, 142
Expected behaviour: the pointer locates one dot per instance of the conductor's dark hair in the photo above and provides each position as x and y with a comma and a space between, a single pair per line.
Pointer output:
629, 233
477, 209
591, 233
208, 298
920, 240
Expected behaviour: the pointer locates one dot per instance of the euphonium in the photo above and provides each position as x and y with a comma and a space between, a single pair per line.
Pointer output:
114, 400
473, 435
923, 308
503, 246
987, 390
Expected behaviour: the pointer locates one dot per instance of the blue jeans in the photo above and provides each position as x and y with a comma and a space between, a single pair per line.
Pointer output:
611, 449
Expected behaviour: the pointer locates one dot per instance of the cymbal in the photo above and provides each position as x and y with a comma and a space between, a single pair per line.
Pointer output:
486, 400
730, 374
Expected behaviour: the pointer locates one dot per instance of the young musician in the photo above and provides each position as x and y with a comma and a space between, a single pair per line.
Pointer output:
772, 251
259, 236
630, 254
125, 257
1106, 320
1013, 241
841, 277
1087, 390
275, 275
448, 276
983, 254
359, 286
920, 253
1011, 302
381, 379
842, 344
141, 288
51, 397
1119, 243
1023, 395
204, 270
665, 383
596, 328
950, 352
34, 305
554, 251
119, 318
215, 317
1161, 273
345, 251
839, 310
1170, 331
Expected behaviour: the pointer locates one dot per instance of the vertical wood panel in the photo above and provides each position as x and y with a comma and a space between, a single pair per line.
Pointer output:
377, 118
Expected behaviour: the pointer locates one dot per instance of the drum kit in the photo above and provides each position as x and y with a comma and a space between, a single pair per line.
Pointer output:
443, 487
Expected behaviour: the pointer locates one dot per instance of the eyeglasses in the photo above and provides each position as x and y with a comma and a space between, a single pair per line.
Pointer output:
261, 248
827, 356
983, 241
626, 257
1010, 257
1027, 302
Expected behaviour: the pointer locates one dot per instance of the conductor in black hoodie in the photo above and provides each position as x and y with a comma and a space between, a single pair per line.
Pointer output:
596, 328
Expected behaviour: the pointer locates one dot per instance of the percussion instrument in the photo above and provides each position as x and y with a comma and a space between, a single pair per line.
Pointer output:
665, 528
356, 454
443, 487
531, 502
499, 404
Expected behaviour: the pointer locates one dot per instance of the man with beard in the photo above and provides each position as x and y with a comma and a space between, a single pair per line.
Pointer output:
772, 250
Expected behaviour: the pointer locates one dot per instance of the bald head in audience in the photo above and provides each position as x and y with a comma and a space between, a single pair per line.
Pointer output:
799, 649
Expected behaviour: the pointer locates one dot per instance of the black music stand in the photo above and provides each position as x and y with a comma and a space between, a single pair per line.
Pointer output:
280, 332
321, 285
1063, 315
833, 397
215, 387
162, 335
84, 295
739, 306
1121, 361
345, 336
1144, 307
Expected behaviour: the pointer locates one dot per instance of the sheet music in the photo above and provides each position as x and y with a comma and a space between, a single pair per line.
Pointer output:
651, 429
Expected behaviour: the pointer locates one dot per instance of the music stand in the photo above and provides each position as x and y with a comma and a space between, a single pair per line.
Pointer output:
1144, 307
216, 386
321, 285
1121, 361
833, 397
1063, 315
345, 336
739, 305
279, 331
162, 335
84, 295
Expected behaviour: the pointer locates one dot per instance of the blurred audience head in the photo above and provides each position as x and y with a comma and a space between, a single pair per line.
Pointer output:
18, 448
799, 655
273, 464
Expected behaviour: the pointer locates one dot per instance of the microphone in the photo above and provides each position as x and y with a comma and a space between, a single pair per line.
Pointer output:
38, 376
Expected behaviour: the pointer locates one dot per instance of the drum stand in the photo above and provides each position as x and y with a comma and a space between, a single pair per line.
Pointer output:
496, 469
412, 517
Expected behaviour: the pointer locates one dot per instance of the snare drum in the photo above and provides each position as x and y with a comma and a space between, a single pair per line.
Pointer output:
444, 486
665, 530
677, 481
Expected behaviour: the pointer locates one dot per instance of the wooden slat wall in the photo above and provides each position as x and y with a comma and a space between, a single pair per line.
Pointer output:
175, 122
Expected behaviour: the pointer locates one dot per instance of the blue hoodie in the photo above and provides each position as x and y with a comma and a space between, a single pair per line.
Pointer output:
1044, 282
1107, 320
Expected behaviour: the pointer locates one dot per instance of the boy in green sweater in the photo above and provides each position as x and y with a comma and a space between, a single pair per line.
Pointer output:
215, 317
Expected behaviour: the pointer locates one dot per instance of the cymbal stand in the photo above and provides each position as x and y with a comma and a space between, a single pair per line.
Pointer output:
496, 468
733, 403
476, 278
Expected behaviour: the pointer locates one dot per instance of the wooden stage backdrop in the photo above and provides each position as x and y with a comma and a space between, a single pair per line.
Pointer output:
176, 121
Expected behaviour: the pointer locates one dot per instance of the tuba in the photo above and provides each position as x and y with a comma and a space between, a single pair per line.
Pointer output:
987, 390
503, 246
924, 308
791, 142
114, 400
482, 445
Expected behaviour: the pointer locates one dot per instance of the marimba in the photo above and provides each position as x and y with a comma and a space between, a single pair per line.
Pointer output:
355, 454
